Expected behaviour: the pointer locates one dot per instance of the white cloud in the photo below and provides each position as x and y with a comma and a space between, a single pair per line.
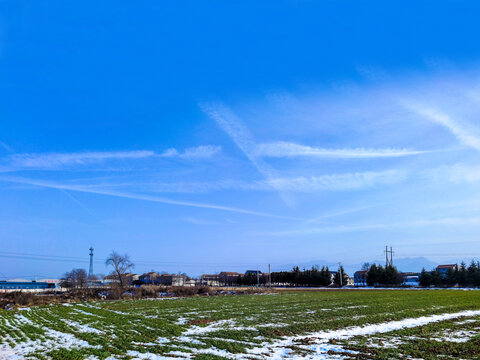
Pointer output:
57, 160
79, 188
204, 151
238, 133
286, 149
52, 160
6, 147
198, 221
451, 221
311, 184
458, 173
241, 136
348, 181
466, 134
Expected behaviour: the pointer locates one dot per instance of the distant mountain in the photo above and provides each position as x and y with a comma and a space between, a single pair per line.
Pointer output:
414, 264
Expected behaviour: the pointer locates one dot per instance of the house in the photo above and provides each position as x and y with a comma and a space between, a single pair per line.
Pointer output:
332, 276
190, 282
154, 278
253, 272
410, 278
173, 279
228, 278
149, 278
210, 280
128, 279
360, 278
443, 269
349, 281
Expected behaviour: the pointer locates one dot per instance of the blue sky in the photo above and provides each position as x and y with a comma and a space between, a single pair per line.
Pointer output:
223, 136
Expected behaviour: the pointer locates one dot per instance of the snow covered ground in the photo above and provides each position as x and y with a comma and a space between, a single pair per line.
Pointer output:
288, 326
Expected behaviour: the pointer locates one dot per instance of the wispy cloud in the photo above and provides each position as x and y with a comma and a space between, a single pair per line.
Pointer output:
347, 181
457, 173
6, 147
287, 149
466, 134
450, 221
198, 152
52, 160
241, 136
239, 133
151, 198
75, 200
58, 160
310, 184
340, 213
198, 221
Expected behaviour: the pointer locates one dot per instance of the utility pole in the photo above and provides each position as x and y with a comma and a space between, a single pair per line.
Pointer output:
388, 261
386, 256
258, 279
90, 271
269, 276
341, 275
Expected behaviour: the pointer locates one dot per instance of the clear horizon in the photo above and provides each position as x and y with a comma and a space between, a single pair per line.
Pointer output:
237, 135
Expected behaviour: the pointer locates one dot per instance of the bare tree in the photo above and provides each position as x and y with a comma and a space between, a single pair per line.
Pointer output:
121, 264
77, 278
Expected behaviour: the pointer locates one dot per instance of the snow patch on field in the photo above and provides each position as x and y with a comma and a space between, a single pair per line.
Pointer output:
82, 328
460, 336
321, 346
181, 321
55, 340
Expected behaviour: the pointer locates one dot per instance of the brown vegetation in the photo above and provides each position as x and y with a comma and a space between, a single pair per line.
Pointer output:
114, 292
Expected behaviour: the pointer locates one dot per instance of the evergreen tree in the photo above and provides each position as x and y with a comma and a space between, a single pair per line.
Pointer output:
471, 271
372, 276
392, 276
436, 278
327, 277
340, 274
462, 275
451, 278
425, 278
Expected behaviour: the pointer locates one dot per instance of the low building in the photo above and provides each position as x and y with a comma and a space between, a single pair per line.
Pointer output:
349, 281
172, 279
443, 269
360, 278
28, 285
128, 279
210, 280
190, 282
228, 278
410, 278
253, 272
153, 278
149, 278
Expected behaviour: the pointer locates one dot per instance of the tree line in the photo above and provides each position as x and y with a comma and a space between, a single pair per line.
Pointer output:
462, 276
383, 276
296, 277
78, 278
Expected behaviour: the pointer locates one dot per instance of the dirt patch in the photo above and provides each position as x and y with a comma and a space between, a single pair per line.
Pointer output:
200, 321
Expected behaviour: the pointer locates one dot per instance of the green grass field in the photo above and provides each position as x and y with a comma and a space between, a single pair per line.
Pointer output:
380, 324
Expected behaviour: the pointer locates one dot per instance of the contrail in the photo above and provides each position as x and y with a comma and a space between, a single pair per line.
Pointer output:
141, 197
467, 136
75, 200
241, 136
